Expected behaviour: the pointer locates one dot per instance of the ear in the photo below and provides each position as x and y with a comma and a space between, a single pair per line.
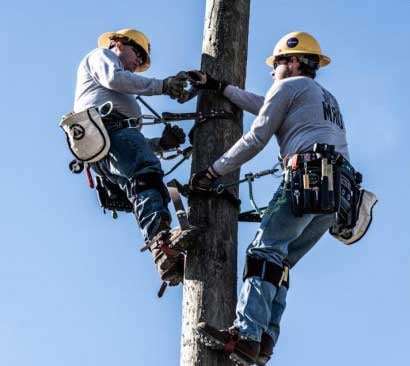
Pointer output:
119, 45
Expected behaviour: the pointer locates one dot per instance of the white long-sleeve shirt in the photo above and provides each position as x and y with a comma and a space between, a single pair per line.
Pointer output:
101, 77
297, 110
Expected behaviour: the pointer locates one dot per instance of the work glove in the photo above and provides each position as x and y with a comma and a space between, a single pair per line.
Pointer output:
172, 137
203, 180
174, 86
202, 80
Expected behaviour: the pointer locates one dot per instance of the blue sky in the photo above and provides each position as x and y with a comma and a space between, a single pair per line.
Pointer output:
74, 289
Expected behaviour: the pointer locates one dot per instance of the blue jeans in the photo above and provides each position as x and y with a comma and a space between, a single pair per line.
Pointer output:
129, 158
281, 237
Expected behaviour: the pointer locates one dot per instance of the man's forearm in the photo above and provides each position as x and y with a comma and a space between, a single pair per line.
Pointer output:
245, 100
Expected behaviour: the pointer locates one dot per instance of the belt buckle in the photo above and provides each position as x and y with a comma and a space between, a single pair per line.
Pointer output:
135, 120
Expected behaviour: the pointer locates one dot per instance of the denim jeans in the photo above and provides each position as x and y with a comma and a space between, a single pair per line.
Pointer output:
130, 157
281, 237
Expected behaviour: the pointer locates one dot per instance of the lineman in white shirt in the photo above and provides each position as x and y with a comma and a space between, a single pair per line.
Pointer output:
109, 73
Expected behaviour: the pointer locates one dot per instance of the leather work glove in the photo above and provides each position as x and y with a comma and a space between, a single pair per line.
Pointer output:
174, 86
202, 80
172, 137
203, 180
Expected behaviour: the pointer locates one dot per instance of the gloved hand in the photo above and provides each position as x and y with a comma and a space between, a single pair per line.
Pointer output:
174, 86
172, 137
202, 80
203, 180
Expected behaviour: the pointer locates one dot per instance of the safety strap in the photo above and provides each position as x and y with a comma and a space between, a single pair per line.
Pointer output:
186, 154
268, 271
114, 125
252, 215
190, 116
184, 190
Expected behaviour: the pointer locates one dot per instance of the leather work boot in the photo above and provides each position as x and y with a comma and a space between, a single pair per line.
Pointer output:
241, 350
164, 256
266, 350
174, 275
167, 245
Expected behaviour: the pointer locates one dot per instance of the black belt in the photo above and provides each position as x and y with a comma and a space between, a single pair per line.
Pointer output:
113, 125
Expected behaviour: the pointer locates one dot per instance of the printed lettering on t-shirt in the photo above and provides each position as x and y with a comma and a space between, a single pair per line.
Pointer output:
331, 110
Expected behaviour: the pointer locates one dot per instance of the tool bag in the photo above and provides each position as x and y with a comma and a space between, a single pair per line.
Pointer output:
111, 196
86, 134
346, 233
322, 181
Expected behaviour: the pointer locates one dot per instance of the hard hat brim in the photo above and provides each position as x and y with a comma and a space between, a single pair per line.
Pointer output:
105, 41
323, 60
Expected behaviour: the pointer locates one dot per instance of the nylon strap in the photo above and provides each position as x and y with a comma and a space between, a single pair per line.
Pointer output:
178, 204
229, 196
268, 271
230, 346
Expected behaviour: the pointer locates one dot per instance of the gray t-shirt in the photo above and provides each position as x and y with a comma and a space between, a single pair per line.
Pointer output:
101, 77
297, 110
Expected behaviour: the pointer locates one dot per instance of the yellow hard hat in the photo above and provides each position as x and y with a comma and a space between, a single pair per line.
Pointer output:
298, 43
138, 37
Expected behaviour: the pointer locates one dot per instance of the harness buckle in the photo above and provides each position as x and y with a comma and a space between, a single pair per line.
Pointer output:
133, 122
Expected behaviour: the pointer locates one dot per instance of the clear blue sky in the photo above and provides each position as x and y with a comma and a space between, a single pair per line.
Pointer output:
74, 289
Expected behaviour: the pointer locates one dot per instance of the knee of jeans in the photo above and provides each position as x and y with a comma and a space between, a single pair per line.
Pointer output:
273, 252
149, 180
150, 200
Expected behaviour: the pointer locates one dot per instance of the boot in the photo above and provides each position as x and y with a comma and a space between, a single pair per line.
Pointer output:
242, 351
266, 351
173, 276
167, 245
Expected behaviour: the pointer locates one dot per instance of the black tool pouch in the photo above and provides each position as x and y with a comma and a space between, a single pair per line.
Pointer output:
347, 190
111, 196
310, 191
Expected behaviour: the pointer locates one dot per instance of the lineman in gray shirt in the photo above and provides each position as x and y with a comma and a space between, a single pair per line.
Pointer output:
108, 74
299, 112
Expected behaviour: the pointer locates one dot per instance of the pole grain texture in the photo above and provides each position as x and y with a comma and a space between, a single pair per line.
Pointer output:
211, 266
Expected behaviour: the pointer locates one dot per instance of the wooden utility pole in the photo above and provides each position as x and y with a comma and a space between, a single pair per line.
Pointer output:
210, 273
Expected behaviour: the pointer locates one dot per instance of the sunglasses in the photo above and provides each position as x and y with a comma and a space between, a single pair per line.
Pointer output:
280, 60
138, 50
